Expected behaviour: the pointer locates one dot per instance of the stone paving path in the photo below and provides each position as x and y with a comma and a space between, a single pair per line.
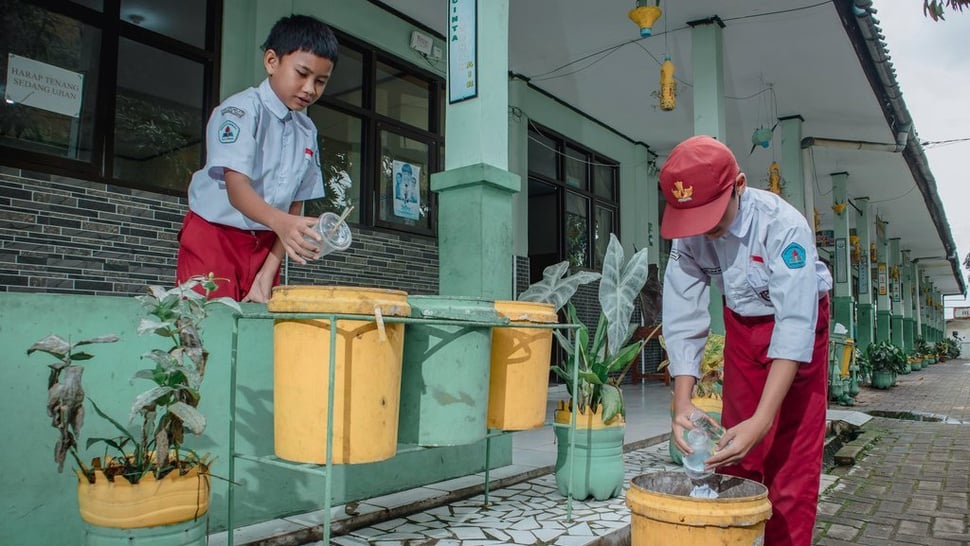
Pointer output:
913, 484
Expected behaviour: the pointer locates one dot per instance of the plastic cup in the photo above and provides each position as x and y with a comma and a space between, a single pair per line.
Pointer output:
702, 448
331, 239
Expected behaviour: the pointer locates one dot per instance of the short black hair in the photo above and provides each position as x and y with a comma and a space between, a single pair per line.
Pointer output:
298, 32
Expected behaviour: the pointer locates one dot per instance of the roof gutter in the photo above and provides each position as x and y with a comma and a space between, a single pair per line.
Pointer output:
862, 28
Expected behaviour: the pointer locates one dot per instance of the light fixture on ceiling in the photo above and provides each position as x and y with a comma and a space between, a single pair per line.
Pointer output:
645, 15
136, 18
668, 86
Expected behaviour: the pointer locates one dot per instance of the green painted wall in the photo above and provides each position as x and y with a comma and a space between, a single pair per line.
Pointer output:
40, 505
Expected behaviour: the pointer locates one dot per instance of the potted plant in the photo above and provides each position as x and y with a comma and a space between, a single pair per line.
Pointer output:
144, 479
594, 465
886, 360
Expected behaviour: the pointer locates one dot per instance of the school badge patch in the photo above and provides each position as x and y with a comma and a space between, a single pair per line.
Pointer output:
228, 132
794, 256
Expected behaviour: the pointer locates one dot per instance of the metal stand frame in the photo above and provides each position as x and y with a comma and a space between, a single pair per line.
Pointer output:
324, 470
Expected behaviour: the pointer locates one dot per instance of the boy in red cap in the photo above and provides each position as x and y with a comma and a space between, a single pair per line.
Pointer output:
759, 251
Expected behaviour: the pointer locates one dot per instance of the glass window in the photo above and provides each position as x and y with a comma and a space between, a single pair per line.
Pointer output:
340, 158
53, 117
578, 200
543, 155
605, 224
49, 66
404, 191
604, 180
347, 82
576, 162
183, 20
577, 230
380, 140
159, 122
402, 96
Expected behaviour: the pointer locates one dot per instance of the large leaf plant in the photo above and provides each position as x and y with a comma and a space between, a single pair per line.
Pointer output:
604, 361
164, 411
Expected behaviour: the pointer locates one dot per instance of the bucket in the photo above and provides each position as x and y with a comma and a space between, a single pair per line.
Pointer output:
663, 512
189, 533
444, 378
367, 381
519, 377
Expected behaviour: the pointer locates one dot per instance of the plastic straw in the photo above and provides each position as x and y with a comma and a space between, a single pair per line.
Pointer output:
340, 221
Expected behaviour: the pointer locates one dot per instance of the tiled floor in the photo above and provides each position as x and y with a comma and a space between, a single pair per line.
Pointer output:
527, 513
647, 416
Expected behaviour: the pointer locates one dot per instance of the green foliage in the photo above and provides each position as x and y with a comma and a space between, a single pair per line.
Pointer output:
934, 8
947, 348
165, 410
884, 356
556, 289
604, 361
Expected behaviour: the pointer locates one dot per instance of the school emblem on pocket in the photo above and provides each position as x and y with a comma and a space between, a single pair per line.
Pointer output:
228, 132
794, 256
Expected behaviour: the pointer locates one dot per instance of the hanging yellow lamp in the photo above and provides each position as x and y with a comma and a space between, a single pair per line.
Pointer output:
645, 16
774, 178
668, 86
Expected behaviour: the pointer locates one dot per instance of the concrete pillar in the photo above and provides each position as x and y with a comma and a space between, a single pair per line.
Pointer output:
906, 289
866, 317
709, 109
883, 309
792, 168
895, 293
475, 191
708, 65
841, 258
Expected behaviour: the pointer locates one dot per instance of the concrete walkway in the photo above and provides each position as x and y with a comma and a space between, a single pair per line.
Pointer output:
912, 485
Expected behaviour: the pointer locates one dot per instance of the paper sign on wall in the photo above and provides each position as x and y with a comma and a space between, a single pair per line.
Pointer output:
41, 85
407, 194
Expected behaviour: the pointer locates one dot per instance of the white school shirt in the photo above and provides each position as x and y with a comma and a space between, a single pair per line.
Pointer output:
254, 133
766, 264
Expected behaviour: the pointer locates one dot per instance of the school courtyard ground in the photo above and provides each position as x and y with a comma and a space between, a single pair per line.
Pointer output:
904, 478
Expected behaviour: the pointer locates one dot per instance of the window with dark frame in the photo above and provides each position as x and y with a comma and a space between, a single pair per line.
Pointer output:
573, 202
380, 127
158, 62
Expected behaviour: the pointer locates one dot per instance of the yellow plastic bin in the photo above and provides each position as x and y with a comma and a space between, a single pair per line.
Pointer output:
367, 374
519, 376
663, 512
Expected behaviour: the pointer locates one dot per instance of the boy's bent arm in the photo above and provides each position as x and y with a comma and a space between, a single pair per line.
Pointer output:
289, 228
262, 287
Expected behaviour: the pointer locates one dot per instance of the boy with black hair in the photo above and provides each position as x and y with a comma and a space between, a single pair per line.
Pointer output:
262, 163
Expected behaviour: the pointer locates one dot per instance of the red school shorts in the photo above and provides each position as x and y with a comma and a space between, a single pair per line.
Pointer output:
233, 255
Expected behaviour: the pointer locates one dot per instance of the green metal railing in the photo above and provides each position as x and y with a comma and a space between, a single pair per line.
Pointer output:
324, 470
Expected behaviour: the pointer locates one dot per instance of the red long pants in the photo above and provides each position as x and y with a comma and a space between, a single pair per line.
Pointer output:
788, 461
234, 255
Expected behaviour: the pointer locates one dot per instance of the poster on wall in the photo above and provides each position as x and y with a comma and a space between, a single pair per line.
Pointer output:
407, 197
462, 50
882, 279
41, 85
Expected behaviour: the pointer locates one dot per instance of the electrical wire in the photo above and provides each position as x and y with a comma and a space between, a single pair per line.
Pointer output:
541, 76
940, 143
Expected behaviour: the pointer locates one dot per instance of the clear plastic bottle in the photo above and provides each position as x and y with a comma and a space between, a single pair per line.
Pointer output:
705, 422
702, 447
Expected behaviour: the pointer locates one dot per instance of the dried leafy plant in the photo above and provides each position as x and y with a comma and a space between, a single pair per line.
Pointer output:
166, 409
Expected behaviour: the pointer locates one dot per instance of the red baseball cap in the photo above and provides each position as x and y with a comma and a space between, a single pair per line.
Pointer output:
696, 181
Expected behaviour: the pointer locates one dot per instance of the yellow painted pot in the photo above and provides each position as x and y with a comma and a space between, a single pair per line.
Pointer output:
367, 381
519, 375
149, 503
663, 512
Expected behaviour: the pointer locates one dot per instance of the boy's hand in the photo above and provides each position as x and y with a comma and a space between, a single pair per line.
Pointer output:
293, 231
